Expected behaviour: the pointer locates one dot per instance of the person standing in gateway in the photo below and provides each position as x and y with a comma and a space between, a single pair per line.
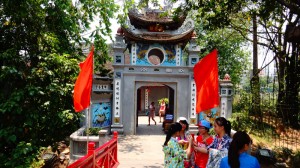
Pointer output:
162, 109
151, 113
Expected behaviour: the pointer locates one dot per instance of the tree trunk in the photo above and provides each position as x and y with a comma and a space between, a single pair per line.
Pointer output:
289, 81
292, 87
281, 66
255, 87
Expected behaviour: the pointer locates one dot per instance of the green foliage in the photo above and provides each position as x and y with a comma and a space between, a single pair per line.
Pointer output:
240, 122
233, 59
165, 99
242, 101
122, 18
40, 48
93, 131
23, 156
251, 124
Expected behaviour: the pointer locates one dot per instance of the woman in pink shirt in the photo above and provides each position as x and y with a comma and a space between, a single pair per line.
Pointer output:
162, 110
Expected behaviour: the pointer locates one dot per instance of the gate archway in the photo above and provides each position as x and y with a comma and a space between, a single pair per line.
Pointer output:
147, 93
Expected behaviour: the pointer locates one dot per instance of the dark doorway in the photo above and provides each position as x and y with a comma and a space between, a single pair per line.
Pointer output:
171, 100
152, 92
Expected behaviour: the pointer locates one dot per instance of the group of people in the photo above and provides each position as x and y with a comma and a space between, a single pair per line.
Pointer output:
183, 149
161, 112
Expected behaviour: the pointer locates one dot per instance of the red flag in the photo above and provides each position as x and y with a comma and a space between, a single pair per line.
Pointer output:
207, 83
83, 85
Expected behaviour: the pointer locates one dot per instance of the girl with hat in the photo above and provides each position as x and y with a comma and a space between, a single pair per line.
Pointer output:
202, 141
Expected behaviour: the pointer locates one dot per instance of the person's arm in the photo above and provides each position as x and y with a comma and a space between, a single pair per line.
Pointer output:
182, 142
201, 149
208, 143
190, 147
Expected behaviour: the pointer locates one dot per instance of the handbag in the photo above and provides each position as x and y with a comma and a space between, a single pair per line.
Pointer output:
147, 112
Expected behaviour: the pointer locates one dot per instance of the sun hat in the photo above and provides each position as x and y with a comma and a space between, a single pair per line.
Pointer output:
182, 119
204, 123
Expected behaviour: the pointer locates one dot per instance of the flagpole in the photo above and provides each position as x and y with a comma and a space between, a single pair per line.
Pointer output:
89, 109
88, 129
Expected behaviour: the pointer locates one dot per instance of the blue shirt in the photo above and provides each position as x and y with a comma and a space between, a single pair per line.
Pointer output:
246, 161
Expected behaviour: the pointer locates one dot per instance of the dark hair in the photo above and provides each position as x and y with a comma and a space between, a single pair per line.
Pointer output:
207, 129
186, 123
240, 139
221, 121
174, 127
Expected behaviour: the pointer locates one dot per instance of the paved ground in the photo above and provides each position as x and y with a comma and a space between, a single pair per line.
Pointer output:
143, 150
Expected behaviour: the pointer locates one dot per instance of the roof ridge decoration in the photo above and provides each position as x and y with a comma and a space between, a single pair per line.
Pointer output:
154, 16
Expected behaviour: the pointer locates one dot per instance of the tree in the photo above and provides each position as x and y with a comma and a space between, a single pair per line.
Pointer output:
232, 58
255, 88
40, 49
271, 17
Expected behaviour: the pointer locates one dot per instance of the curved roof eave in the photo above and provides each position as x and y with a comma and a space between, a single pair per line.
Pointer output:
159, 37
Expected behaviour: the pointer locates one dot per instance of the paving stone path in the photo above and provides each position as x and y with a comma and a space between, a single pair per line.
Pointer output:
143, 150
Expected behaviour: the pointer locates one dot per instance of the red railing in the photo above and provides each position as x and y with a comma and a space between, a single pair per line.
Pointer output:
105, 156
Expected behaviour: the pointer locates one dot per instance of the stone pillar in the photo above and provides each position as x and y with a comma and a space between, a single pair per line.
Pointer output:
118, 48
117, 108
193, 115
103, 137
119, 59
226, 95
193, 51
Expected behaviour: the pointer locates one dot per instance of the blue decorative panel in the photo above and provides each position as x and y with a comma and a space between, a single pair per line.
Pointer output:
209, 115
142, 51
101, 114
170, 55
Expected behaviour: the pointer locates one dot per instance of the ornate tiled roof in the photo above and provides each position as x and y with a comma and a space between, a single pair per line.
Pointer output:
181, 35
152, 17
